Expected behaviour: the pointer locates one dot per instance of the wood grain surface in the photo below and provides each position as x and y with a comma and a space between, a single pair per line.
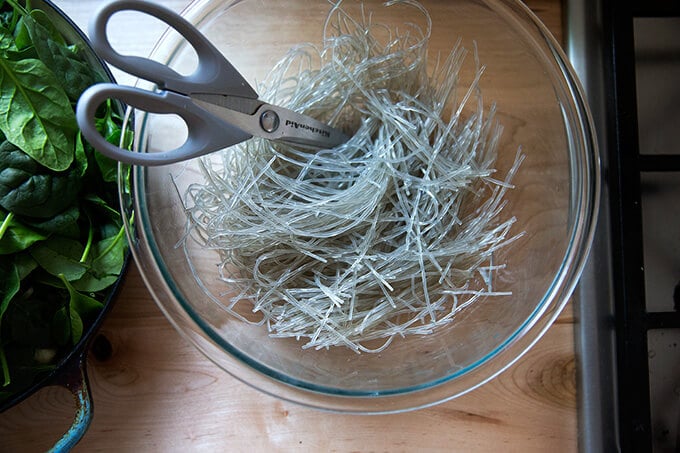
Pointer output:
155, 392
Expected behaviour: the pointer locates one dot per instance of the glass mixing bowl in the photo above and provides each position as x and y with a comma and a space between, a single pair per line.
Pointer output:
541, 108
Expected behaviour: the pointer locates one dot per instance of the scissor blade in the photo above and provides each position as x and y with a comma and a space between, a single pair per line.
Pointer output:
216, 103
272, 122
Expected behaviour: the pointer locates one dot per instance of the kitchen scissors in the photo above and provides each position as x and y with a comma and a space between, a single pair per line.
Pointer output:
218, 106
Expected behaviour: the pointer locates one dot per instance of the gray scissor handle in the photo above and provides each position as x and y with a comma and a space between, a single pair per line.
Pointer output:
214, 74
206, 132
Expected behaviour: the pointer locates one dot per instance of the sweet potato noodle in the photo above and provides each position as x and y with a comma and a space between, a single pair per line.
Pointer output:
387, 235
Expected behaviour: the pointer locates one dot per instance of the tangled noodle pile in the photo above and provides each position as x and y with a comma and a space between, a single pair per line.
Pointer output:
387, 235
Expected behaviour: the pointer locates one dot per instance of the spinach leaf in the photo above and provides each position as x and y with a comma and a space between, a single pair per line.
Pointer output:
109, 127
106, 263
9, 49
24, 54
76, 326
22, 40
60, 255
24, 264
9, 285
17, 236
29, 189
80, 306
64, 224
49, 30
85, 306
74, 74
80, 156
107, 166
35, 112
6, 40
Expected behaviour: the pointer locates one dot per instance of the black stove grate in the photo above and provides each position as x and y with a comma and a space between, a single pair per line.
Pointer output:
626, 165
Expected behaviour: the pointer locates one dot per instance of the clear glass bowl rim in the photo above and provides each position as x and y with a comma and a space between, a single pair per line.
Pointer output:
585, 192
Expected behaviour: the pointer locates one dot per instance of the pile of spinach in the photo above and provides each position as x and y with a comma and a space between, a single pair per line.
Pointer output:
62, 243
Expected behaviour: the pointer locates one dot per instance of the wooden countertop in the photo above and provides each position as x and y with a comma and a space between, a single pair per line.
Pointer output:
157, 393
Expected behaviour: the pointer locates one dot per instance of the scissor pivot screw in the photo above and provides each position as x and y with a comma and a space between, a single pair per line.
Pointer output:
269, 120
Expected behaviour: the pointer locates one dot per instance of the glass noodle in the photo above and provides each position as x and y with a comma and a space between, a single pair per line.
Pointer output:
388, 235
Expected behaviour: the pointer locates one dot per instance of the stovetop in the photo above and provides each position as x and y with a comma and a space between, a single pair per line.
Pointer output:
627, 55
